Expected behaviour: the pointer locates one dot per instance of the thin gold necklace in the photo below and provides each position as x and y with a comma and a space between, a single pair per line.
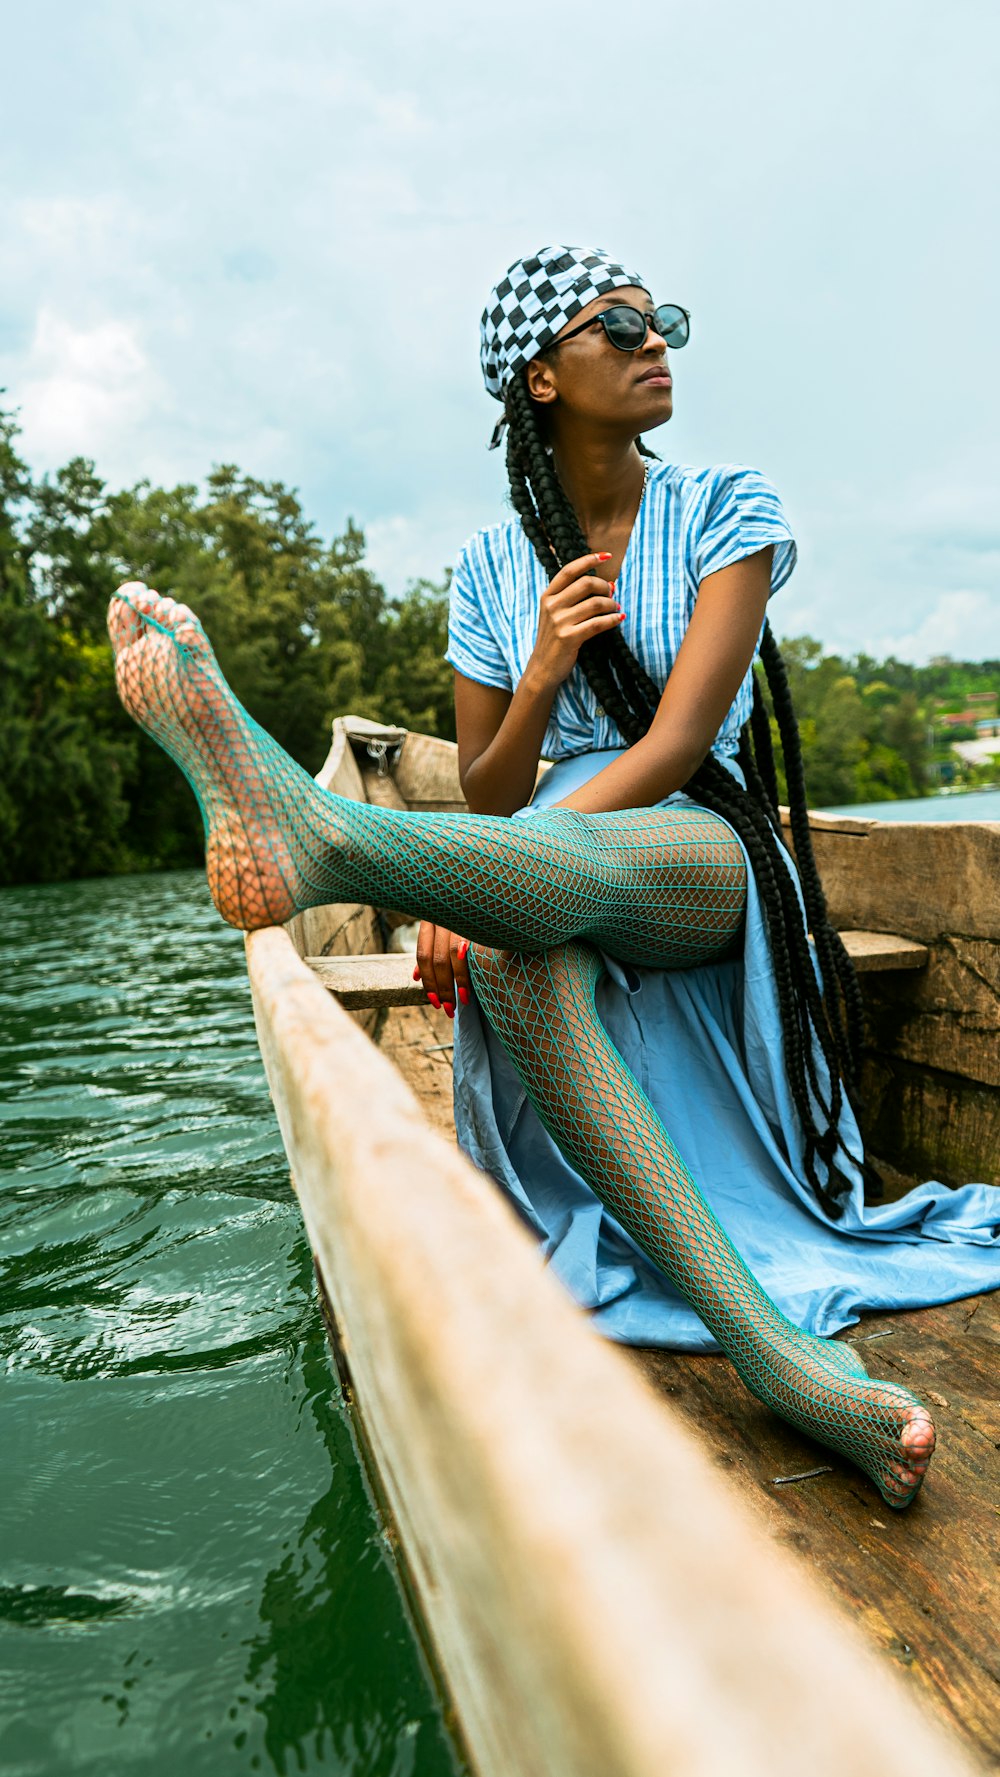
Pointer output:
642, 496
635, 521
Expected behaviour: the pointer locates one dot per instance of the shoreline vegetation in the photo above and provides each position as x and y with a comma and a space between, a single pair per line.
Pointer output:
305, 631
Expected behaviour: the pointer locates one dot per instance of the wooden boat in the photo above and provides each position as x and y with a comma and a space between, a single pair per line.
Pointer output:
621, 1562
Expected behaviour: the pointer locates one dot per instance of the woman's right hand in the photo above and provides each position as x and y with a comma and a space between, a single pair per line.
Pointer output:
576, 605
443, 967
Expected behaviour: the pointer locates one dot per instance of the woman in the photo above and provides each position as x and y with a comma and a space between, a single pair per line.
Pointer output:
614, 869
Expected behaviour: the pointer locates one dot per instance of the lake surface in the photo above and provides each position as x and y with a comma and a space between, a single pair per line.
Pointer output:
192, 1578
964, 805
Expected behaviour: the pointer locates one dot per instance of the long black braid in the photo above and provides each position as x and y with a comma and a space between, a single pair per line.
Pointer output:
834, 1017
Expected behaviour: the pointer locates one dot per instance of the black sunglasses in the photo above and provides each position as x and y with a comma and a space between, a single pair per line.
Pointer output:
626, 327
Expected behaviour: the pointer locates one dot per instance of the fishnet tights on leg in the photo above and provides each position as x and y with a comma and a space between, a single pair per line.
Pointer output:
544, 1012
658, 886
664, 887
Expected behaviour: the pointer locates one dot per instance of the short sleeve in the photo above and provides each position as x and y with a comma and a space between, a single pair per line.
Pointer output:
743, 514
474, 614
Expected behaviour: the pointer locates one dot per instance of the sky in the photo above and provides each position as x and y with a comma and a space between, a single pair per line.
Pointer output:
264, 234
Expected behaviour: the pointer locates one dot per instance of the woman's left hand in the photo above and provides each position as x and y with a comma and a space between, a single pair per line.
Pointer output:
443, 967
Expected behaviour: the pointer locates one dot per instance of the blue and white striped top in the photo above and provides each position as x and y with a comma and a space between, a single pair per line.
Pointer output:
691, 523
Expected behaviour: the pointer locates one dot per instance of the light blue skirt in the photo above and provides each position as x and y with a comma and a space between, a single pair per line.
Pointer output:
705, 1044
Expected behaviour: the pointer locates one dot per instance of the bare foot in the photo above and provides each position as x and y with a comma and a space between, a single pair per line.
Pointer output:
879, 1426
169, 679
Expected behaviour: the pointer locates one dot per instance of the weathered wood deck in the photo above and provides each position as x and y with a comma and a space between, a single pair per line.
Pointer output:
599, 1597
923, 1585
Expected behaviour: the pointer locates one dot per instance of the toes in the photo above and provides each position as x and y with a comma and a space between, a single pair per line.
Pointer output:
159, 607
176, 620
124, 614
186, 626
902, 1477
137, 596
917, 1437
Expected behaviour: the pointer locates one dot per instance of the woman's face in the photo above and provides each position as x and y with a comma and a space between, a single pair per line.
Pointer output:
593, 380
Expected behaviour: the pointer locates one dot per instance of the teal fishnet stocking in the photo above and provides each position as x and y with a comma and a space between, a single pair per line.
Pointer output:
664, 887
657, 886
544, 1012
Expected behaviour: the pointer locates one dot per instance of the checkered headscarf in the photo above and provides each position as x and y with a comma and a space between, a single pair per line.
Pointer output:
535, 301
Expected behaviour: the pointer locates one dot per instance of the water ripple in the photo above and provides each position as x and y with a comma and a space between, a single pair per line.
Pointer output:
191, 1575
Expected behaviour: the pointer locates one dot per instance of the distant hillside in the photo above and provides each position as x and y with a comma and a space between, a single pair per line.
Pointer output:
875, 730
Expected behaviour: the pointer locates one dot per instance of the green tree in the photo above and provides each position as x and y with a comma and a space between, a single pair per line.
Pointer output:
65, 762
303, 630
415, 686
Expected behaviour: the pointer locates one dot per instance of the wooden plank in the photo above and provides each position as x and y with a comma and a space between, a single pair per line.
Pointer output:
388, 980
924, 1585
335, 929
418, 1041
949, 1018
339, 771
918, 878
871, 951
426, 774
598, 1598
931, 1124
931, 1074
380, 786
384, 980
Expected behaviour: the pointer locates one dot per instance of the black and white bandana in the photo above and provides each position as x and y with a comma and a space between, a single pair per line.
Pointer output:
534, 302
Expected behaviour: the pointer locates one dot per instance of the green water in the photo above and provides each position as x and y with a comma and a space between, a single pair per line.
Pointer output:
192, 1578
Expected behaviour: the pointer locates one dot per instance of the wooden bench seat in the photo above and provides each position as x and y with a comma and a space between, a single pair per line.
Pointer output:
387, 980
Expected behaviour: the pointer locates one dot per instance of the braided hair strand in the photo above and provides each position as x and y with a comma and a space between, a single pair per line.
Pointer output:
819, 999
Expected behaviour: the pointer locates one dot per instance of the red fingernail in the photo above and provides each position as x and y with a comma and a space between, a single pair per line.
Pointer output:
463, 949
449, 1008
612, 584
463, 994
435, 1002
416, 974
621, 617
605, 555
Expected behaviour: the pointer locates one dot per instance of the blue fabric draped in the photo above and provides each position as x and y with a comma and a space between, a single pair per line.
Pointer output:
705, 1044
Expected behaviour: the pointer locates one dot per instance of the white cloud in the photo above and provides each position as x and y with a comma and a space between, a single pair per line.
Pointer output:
964, 624
69, 225
264, 234
400, 549
85, 390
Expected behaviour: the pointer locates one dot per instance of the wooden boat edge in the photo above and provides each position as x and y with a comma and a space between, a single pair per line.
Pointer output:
593, 1591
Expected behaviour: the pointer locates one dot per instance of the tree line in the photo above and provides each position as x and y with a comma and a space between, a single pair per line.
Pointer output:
302, 628
304, 631
872, 730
